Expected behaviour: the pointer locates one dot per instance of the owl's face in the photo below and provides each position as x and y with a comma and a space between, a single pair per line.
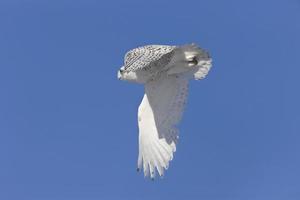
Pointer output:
127, 75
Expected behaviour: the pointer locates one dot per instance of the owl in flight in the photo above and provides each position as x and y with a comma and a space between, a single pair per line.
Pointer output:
165, 71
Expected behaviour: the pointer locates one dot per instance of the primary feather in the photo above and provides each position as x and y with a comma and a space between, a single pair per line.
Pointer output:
165, 71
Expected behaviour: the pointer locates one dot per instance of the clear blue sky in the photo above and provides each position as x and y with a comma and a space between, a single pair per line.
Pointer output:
68, 127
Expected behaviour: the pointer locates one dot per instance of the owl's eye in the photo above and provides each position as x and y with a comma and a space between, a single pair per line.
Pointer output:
194, 61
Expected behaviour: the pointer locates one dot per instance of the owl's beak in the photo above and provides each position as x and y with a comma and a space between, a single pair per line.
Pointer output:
120, 73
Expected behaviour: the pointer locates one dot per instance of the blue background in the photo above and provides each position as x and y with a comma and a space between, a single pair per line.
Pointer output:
68, 127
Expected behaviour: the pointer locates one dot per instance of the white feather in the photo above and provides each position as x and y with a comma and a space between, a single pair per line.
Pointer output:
160, 111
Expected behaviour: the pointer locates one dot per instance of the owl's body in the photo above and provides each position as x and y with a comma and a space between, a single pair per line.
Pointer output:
165, 71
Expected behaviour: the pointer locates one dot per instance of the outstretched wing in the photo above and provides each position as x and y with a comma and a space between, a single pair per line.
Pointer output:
144, 57
159, 113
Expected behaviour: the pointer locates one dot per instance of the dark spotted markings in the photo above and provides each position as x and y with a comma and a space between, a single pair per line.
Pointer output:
148, 57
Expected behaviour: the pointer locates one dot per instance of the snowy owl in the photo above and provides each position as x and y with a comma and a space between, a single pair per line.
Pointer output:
165, 71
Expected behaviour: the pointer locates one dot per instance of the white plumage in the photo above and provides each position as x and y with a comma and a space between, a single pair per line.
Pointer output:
165, 71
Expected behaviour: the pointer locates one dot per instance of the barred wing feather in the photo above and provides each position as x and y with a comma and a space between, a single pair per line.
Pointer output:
142, 57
